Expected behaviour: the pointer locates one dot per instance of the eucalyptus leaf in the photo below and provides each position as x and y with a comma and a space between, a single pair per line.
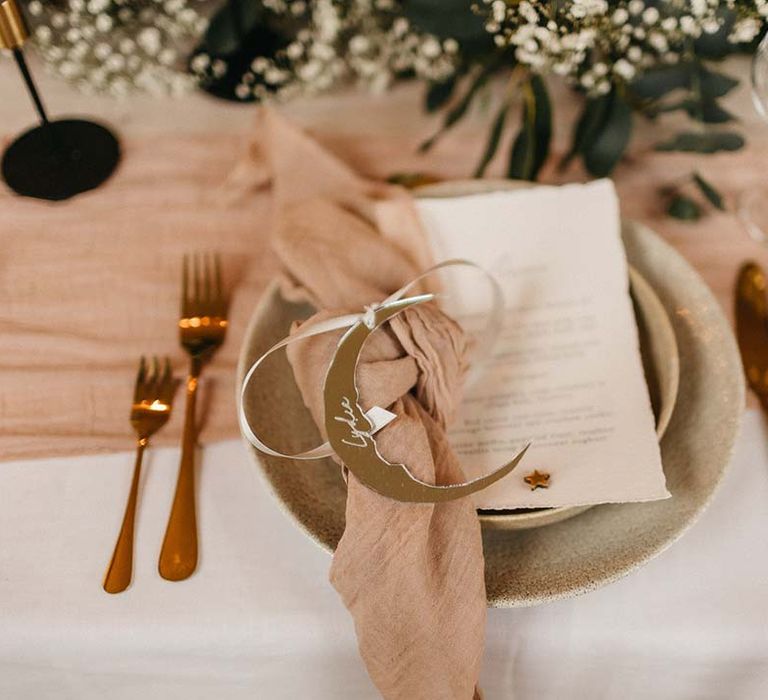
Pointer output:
708, 190
522, 156
588, 126
239, 32
438, 94
708, 142
658, 82
493, 140
447, 19
713, 113
230, 26
531, 146
717, 46
455, 114
706, 111
607, 145
713, 84
684, 208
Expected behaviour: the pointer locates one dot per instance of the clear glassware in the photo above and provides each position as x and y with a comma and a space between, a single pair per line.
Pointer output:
753, 205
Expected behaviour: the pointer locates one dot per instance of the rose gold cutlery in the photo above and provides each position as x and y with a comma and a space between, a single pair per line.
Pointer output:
150, 410
751, 311
202, 327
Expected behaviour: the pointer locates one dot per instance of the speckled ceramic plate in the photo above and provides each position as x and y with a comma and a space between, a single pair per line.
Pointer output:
528, 567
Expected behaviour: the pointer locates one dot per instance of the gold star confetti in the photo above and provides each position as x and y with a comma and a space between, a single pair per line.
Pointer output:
537, 479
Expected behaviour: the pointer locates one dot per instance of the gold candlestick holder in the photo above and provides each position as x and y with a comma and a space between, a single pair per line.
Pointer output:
56, 159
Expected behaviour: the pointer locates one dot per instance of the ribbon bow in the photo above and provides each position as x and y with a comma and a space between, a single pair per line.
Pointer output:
353, 444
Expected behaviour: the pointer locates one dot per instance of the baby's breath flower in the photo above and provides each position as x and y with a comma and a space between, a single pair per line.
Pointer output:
745, 30
118, 46
651, 15
218, 67
367, 40
620, 16
698, 7
624, 69
594, 43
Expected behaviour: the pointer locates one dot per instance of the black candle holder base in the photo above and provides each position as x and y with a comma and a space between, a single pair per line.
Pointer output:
60, 159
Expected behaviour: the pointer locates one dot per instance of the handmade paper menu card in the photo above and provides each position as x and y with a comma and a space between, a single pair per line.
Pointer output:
565, 373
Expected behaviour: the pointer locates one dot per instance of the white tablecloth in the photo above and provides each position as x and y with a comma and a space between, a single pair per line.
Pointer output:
259, 619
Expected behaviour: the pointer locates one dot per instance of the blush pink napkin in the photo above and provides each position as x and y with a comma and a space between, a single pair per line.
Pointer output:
412, 575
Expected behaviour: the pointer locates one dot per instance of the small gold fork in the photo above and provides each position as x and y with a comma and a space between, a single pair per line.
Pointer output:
151, 408
202, 327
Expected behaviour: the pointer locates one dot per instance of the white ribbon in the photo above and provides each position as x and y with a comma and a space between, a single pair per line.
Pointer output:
379, 417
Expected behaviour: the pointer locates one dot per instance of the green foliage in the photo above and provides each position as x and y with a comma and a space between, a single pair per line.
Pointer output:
244, 29
438, 94
603, 145
703, 142
684, 208
702, 87
587, 127
712, 84
716, 46
239, 32
493, 140
707, 111
693, 76
450, 19
455, 114
230, 26
657, 82
531, 147
602, 133
708, 190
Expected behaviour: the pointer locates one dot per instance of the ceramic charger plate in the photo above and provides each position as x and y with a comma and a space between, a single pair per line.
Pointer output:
532, 566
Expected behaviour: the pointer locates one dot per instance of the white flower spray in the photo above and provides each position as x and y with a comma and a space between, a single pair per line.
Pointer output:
367, 41
118, 46
596, 43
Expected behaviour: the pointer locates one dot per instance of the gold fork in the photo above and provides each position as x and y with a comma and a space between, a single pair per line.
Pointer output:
202, 327
151, 408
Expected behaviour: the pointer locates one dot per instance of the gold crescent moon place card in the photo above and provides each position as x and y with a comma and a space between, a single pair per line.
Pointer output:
566, 373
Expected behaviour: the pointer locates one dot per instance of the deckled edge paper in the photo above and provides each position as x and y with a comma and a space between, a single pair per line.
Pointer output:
566, 374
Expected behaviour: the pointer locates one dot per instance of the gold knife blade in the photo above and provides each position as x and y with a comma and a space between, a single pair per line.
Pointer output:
752, 327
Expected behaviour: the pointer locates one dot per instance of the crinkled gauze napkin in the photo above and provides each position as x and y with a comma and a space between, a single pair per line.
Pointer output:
412, 575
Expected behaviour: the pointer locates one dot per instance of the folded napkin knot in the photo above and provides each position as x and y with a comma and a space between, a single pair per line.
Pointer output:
350, 429
441, 352
434, 343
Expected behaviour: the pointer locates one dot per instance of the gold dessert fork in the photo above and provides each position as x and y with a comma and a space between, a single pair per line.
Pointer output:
202, 327
151, 408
